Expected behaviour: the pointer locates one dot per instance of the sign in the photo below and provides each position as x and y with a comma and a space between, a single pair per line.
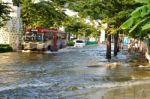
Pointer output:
125, 41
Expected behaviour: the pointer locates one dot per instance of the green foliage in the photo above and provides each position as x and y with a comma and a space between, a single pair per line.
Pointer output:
51, 14
128, 23
146, 26
113, 12
70, 43
77, 26
143, 1
138, 23
4, 13
141, 11
5, 48
43, 14
16, 2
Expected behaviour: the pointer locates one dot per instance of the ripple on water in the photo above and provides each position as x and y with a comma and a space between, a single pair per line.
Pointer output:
74, 74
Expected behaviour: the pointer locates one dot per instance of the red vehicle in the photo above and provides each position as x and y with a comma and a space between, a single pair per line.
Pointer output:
44, 39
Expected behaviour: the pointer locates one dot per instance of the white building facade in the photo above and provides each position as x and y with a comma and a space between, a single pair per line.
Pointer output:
11, 33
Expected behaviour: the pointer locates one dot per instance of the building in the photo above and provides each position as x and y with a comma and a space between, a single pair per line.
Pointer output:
11, 33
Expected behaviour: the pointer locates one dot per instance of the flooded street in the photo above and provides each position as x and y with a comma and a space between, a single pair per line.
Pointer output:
71, 73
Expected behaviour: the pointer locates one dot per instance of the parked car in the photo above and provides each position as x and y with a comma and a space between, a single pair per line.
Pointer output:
79, 43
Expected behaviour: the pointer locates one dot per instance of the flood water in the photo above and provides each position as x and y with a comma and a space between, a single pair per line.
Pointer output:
71, 73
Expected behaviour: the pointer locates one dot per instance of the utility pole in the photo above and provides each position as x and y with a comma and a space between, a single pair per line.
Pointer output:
18, 26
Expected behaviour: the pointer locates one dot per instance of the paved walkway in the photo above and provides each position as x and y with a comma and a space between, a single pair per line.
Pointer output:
132, 92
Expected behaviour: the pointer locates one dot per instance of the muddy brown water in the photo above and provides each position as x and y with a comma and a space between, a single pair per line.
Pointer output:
71, 73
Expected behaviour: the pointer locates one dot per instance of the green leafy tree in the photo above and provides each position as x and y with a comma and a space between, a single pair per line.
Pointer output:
4, 13
77, 26
16, 2
41, 14
113, 12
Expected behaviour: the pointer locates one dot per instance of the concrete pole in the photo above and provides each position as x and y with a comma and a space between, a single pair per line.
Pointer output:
18, 26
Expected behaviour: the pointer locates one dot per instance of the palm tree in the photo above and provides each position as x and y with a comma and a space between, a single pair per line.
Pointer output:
138, 24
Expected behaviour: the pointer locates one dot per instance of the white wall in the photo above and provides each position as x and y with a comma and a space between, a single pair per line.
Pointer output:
11, 32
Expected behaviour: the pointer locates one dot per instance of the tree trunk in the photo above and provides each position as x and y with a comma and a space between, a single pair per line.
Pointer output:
68, 36
116, 47
108, 50
77, 36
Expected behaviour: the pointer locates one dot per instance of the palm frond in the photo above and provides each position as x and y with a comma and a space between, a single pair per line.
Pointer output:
146, 26
127, 24
137, 24
141, 11
143, 1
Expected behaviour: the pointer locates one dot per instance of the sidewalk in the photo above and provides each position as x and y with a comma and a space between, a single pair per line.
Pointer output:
135, 91
140, 91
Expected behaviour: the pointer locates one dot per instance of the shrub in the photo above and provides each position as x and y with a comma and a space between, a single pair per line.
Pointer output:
70, 43
5, 48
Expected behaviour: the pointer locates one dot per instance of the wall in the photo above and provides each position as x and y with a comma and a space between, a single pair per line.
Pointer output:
11, 33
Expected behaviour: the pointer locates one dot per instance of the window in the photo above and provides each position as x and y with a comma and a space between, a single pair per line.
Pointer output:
79, 41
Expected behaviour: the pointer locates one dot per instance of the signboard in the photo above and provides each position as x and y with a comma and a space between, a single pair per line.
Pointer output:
125, 41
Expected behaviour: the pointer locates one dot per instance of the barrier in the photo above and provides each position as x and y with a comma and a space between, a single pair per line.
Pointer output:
91, 42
